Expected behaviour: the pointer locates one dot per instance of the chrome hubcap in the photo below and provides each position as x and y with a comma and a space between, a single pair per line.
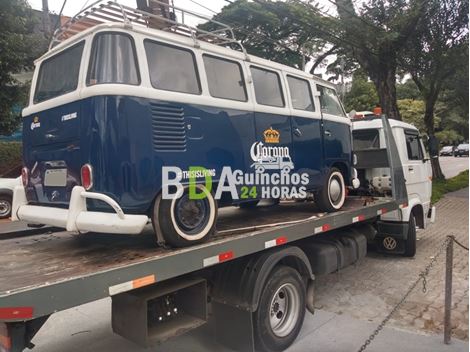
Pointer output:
5, 207
284, 310
335, 190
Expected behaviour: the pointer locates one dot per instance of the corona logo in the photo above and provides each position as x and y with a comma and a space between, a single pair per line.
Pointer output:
271, 136
36, 119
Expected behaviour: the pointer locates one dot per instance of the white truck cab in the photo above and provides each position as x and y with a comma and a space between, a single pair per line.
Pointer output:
368, 134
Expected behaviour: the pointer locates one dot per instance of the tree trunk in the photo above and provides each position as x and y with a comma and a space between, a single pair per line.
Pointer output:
429, 123
384, 82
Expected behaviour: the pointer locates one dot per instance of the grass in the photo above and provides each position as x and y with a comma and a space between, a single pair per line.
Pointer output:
10, 156
441, 187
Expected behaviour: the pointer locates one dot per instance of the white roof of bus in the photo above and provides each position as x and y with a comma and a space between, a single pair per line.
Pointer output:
185, 41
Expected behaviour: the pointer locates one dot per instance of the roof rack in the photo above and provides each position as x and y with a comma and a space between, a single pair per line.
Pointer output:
167, 18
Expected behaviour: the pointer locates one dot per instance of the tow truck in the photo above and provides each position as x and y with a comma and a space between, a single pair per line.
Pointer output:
255, 277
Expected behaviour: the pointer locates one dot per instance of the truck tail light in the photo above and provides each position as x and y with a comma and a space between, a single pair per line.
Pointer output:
25, 176
87, 176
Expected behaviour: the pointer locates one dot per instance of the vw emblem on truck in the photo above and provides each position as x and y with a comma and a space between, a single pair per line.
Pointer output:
389, 243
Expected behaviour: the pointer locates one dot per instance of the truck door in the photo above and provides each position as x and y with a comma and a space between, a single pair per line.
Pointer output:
415, 167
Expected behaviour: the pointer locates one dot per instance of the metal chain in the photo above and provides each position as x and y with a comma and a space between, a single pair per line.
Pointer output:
422, 276
460, 244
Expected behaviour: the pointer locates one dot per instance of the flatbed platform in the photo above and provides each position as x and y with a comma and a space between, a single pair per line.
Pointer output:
56, 271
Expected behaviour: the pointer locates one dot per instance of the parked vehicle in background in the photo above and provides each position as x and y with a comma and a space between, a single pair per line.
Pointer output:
461, 150
6, 195
448, 150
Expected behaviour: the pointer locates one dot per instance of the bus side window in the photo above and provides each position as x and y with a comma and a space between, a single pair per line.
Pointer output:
58, 75
329, 102
301, 94
225, 78
268, 90
172, 68
113, 60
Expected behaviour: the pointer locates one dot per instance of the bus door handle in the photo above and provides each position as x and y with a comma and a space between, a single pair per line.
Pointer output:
297, 132
410, 168
327, 133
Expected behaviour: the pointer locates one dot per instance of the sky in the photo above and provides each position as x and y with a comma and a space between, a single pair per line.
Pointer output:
208, 8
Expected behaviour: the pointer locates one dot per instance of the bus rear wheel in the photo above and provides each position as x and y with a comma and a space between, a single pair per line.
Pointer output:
183, 221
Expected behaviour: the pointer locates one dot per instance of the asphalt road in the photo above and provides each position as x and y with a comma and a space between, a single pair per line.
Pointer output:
452, 166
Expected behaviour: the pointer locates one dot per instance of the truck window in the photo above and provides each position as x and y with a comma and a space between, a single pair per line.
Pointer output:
225, 78
366, 139
268, 89
413, 146
300, 93
113, 60
330, 102
172, 68
59, 74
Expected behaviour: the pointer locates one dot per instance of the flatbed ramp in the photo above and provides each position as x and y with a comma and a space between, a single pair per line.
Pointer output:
51, 272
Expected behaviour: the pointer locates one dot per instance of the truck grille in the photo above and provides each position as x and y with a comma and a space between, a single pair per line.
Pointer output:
168, 128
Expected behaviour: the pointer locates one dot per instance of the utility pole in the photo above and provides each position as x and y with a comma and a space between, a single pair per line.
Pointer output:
46, 22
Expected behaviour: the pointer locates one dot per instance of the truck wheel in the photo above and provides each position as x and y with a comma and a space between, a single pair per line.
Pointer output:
410, 243
332, 195
249, 205
281, 310
184, 221
5, 206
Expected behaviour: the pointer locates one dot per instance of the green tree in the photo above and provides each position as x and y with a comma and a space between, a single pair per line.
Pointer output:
273, 30
408, 90
19, 46
412, 111
363, 95
375, 36
434, 53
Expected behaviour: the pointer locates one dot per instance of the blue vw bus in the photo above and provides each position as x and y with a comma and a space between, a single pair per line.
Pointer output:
114, 104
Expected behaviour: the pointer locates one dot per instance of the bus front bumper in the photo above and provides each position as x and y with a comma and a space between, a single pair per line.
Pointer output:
77, 218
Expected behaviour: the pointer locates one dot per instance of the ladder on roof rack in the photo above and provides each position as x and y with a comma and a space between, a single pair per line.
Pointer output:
166, 19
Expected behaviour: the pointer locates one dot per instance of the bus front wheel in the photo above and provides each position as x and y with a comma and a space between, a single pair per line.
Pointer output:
184, 221
332, 195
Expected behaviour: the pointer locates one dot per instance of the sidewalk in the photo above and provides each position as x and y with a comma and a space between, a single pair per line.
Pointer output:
87, 328
370, 289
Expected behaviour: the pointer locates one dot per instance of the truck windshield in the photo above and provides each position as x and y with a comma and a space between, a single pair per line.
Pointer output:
366, 139
59, 74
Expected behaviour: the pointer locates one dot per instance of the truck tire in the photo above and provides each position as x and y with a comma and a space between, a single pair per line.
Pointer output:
281, 310
332, 195
5, 206
183, 221
410, 242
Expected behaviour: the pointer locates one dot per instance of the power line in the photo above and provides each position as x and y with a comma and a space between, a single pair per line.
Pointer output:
204, 7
